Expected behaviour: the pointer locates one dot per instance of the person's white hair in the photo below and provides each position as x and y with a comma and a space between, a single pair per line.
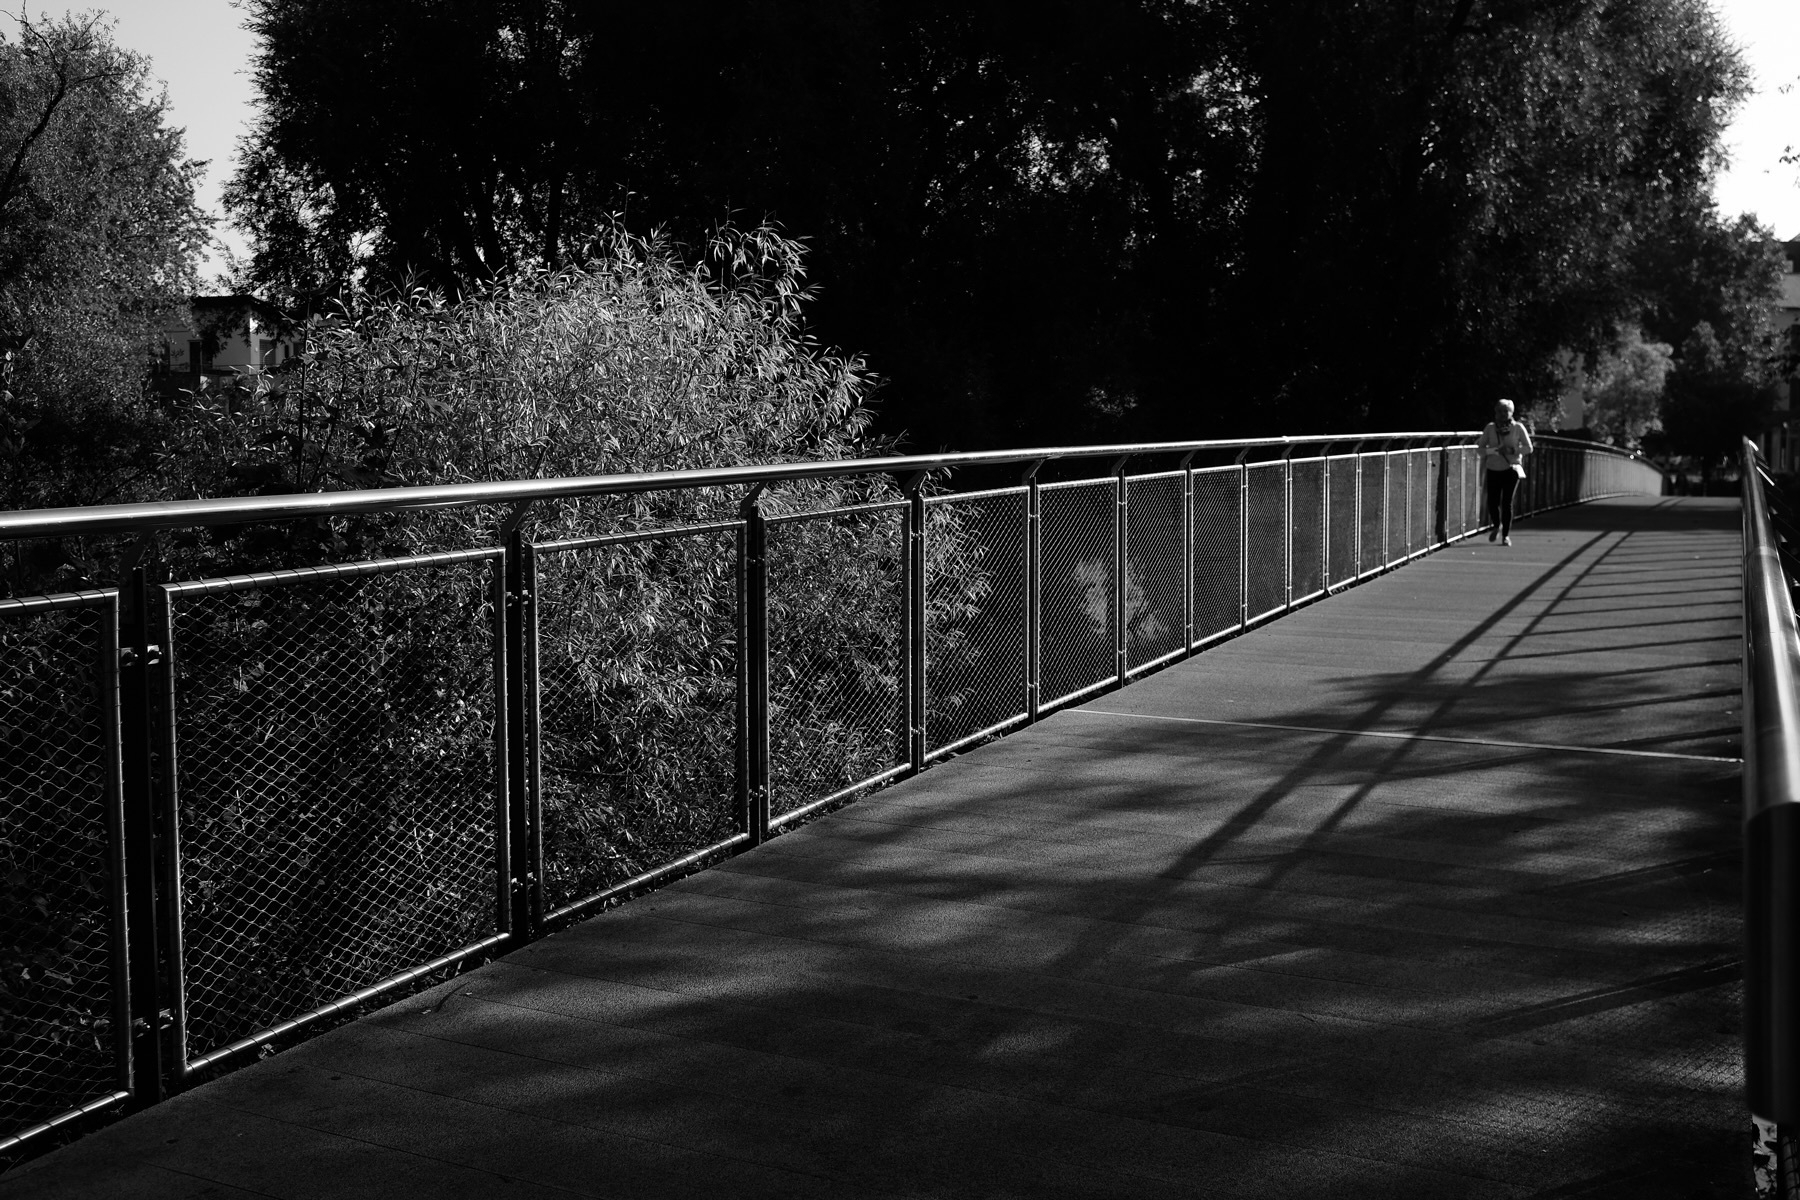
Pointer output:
1506, 404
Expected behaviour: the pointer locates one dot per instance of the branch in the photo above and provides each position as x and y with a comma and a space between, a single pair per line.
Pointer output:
64, 85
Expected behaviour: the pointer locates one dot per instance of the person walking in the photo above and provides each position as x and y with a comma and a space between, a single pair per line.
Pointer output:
1505, 443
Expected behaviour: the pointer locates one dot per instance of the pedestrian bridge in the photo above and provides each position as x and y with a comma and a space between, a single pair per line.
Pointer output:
1430, 888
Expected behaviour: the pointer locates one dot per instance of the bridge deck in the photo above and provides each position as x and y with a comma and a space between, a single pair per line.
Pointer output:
1428, 890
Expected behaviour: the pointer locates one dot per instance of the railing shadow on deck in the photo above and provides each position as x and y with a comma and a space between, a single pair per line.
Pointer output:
234, 824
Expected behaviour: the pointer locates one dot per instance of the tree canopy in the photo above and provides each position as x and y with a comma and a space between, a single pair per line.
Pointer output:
99, 236
1068, 217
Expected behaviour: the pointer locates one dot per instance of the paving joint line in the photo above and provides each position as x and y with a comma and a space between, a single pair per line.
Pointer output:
1399, 735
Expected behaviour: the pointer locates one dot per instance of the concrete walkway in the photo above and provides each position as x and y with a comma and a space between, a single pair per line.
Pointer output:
1428, 890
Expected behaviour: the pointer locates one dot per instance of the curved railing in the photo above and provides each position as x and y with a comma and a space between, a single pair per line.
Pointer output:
241, 796
1771, 830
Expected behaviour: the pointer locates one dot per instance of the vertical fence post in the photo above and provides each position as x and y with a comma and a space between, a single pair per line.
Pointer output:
534, 745
1034, 590
915, 623
1121, 569
143, 948
1325, 519
1406, 505
522, 878
119, 960
170, 937
1187, 552
1287, 526
1243, 539
1356, 507
753, 670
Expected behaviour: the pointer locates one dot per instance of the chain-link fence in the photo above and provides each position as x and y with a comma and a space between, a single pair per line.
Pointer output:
634, 731
333, 738
1372, 513
1155, 604
1218, 549
336, 780
63, 1031
1342, 530
1266, 534
976, 628
1079, 562
837, 603
1308, 527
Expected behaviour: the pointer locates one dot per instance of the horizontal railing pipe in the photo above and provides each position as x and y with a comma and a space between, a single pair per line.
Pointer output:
236, 510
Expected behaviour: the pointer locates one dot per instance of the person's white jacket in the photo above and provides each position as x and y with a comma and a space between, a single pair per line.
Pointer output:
1505, 447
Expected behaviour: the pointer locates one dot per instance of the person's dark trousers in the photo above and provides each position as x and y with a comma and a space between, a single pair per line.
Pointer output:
1500, 488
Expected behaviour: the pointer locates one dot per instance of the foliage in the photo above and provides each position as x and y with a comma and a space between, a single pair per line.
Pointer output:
1622, 389
1049, 223
99, 233
1713, 401
633, 360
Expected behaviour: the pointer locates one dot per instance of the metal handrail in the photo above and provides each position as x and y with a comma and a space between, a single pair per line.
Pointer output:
1771, 815
1584, 444
233, 510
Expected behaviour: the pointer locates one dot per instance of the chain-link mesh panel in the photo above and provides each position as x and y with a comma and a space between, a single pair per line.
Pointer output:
837, 607
1308, 519
1418, 492
1455, 508
1268, 538
1340, 491
59, 1036
334, 737
1472, 495
1399, 505
975, 613
1153, 594
637, 706
1077, 587
1218, 550
1374, 511
1426, 502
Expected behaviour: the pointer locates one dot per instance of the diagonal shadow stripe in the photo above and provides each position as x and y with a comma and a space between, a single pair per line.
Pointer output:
1673, 983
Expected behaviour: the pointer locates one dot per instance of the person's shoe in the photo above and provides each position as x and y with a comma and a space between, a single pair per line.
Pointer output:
1492, 534
1507, 540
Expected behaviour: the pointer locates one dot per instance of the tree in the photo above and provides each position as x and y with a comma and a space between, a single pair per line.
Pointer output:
1622, 389
1715, 400
1039, 221
1012, 201
99, 236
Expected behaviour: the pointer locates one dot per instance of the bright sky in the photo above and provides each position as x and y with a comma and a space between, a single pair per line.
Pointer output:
1768, 32
199, 49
